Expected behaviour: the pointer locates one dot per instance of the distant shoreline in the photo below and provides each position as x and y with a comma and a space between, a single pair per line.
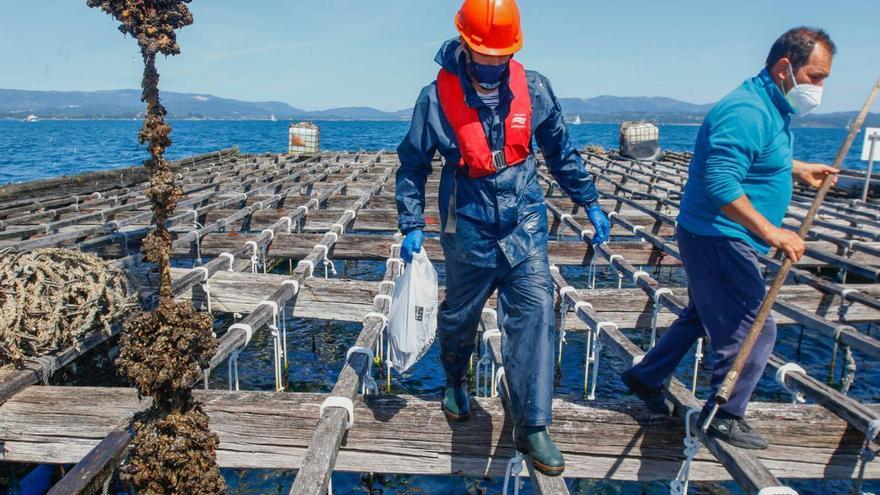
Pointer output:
283, 120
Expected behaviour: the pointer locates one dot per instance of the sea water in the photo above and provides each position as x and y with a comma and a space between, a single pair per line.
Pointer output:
317, 348
50, 148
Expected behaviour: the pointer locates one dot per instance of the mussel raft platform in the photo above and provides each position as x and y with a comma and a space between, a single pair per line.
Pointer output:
243, 212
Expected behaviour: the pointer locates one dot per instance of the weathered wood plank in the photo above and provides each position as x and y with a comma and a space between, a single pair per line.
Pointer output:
349, 300
408, 435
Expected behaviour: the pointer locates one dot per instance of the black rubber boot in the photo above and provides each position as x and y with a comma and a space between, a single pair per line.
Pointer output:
456, 404
535, 442
734, 431
652, 397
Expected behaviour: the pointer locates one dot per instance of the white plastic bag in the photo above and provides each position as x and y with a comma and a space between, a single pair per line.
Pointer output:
412, 319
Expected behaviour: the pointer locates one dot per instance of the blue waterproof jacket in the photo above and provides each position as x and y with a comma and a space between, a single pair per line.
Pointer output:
501, 215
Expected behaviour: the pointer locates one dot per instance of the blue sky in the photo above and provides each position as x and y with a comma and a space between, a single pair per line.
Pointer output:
326, 53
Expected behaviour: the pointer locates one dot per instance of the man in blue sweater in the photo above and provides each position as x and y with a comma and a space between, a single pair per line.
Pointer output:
482, 114
739, 187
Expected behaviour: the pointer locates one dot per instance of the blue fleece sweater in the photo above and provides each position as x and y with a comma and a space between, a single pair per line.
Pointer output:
744, 147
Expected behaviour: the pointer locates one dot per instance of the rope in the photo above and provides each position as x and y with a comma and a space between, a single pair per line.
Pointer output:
563, 316
656, 313
277, 344
514, 469
679, 486
698, 358
485, 373
849, 370
233, 371
59, 297
255, 260
204, 285
593, 349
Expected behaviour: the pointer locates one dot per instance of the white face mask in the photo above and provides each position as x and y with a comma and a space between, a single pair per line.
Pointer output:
804, 98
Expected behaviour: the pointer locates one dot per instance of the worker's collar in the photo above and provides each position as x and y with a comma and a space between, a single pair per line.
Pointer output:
776, 95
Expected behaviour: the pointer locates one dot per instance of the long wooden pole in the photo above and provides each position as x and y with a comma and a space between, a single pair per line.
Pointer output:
735, 372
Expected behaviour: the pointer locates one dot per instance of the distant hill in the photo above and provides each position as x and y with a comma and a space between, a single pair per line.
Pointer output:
604, 105
126, 104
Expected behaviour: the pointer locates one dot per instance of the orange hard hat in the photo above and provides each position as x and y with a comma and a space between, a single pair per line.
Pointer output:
490, 27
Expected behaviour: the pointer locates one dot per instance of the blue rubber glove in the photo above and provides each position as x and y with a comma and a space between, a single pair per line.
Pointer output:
600, 223
412, 243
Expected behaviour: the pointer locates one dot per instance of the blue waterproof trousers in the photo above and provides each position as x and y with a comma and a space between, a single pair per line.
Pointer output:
525, 317
726, 289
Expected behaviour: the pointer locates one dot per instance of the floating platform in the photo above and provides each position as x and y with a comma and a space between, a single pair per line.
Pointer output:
242, 215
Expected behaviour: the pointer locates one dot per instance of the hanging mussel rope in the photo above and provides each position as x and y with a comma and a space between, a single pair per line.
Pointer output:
165, 350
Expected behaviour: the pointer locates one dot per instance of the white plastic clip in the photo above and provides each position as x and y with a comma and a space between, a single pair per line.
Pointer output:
270, 232
387, 282
376, 314
311, 265
325, 248
204, 271
254, 246
605, 324
582, 304
247, 329
342, 403
353, 213
777, 490
294, 283
565, 290
382, 297
272, 305
612, 258
785, 369
587, 234
338, 226
659, 292
230, 257
488, 334
637, 275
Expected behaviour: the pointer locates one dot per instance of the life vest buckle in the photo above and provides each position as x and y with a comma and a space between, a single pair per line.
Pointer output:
499, 160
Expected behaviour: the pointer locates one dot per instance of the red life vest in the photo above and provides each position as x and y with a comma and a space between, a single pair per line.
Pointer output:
476, 156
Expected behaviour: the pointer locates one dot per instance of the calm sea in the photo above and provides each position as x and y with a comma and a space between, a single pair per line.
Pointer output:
49, 148
317, 348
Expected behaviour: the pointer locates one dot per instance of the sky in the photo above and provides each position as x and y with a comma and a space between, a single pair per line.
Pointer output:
331, 53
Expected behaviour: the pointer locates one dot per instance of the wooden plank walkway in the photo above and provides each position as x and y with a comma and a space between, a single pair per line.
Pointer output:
409, 435
266, 209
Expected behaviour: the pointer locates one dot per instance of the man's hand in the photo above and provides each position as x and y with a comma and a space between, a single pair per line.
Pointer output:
600, 223
411, 244
812, 174
787, 241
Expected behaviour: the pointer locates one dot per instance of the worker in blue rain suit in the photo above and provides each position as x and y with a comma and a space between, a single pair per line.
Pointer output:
738, 190
481, 114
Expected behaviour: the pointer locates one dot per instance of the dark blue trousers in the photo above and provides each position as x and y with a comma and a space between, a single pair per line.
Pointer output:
525, 318
726, 289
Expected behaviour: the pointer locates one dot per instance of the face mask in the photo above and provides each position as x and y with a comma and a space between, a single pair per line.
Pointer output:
487, 76
804, 98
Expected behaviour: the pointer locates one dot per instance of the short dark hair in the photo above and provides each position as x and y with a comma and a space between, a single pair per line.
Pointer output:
797, 44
